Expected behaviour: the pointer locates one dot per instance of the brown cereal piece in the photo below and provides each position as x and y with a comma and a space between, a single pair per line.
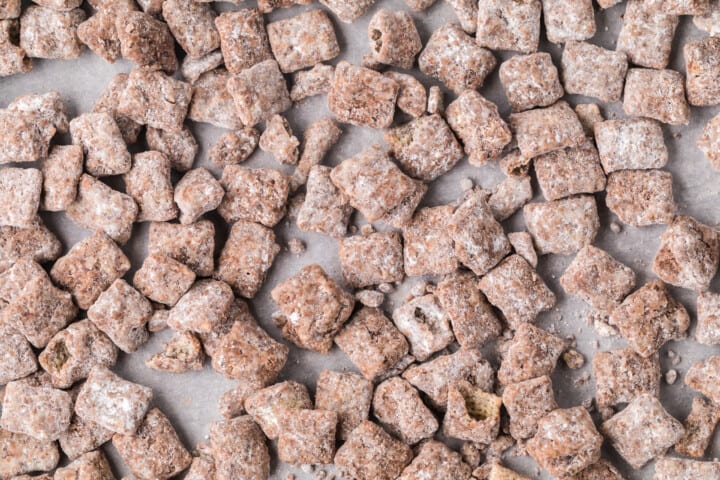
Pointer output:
567, 20
24, 454
243, 39
435, 100
239, 312
348, 10
641, 197
532, 352
658, 94
201, 308
398, 407
372, 342
425, 325
419, 5
361, 96
472, 414
193, 26
467, 14
593, 71
667, 468
259, 92
646, 35
158, 320
48, 33
563, 226
566, 442
192, 244
473, 321
509, 25
154, 451
412, 98
180, 147
146, 41
394, 40
10, 9
17, 359
270, 406
372, 259
371, 453
570, 171
435, 460
681, 7
621, 375
12, 58
497, 472
308, 437
197, 193
267, 6
522, 243
425, 147
212, 102
278, 139
630, 144
102, 143
649, 317
347, 394
428, 246
61, 5
41, 412
527, 402
704, 377
699, 428
543, 130
239, 449
112, 402
708, 322
509, 196
108, 101
325, 209
74, 351
602, 469
313, 308
709, 142
148, 182
598, 279
315, 81
589, 115
48, 108
82, 436
703, 68
91, 465
194, 68
234, 147
253, 194
100, 34
24, 139
202, 466
61, 173
530, 81
688, 255
453, 57
155, 99
303, 40
232, 403
163, 279
643, 431
20, 191
318, 139
710, 21
14, 280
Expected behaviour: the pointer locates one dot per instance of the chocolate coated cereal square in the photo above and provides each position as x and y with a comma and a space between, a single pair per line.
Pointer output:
508, 196
412, 98
641, 197
25, 454
509, 25
699, 428
370, 453
709, 142
239, 449
145, 40
253, 194
197, 193
17, 359
708, 322
435, 460
259, 92
100, 35
61, 173
48, 33
193, 26
101, 140
399, 408
148, 182
234, 147
163, 279
325, 209
154, 99
593, 71
203, 307
570, 171
394, 40
48, 108
270, 406
543, 130
703, 377
22, 137
372, 259
527, 402
308, 437
646, 35
180, 146
703, 68
425, 325
20, 191
243, 39
41, 412
530, 81
567, 20
658, 94
563, 226
303, 40
348, 394
621, 375
212, 102
427, 244
348, 10
191, 244
532, 352
630, 144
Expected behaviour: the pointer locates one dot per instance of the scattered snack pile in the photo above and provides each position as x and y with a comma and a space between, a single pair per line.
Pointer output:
67, 312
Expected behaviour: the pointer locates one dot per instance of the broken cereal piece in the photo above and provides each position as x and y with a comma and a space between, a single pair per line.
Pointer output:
193, 26
303, 40
412, 98
709, 142
658, 94
315, 81
425, 324
394, 40
543, 130
370, 453
259, 92
703, 68
472, 414
508, 196
562, 226
372, 259
621, 375
89, 465
522, 243
61, 173
194, 68
308, 437
435, 460
24, 454
509, 25
144, 40
202, 307
41, 412
108, 102
428, 246
278, 139
102, 143
270, 406
361, 96
239, 449
197, 193
253, 194
234, 147
348, 395
20, 191
532, 352
232, 403
699, 428
48, 33
589, 115
398, 407
667, 468
325, 209
243, 39
148, 182
318, 139
593, 71
703, 377
527, 402
641, 197
708, 322
163, 279
530, 81
570, 171
630, 144
154, 99
567, 20
191, 244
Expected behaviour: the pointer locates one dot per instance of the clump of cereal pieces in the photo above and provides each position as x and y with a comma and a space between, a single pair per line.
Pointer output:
315, 81
641, 197
89, 465
508, 196
23, 139
254, 195
527, 402
193, 26
163, 279
435, 460
531, 353
61, 173
38, 411
668, 468
234, 147
349, 395
704, 377
453, 57
709, 142
399, 408
108, 102
192, 245
688, 255
20, 192
647, 35
566, 442
180, 146
154, 99
370, 453
303, 40
643, 431
570, 171
239, 449
621, 375
371, 259
24, 454
144, 40
563, 226
197, 193
278, 139
361, 96
243, 39
318, 139
112, 402
35, 241
259, 92
630, 144
543, 130
509, 25
703, 67
308, 437
708, 321
270, 406
657, 94
74, 351
102, 143
394, 40
204, 306
325, 208
530, 81
149, 183
48, 33
425, 324
412, 98
699, 428
313, 308
472, 414
348, 10
593, 71
373, 343
427, 244
568, 20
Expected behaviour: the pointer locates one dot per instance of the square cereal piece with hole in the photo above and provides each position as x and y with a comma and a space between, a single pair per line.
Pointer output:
412, 98
708, 322
472, 415
239, 449
108, 101
567, 20
315, 81
643, 431
394, 40
471, 316
90, 465
270, 406
24, 138
204, 306
630, 144
641, 197
326, 209
598, 279
453, 57
527, 402
425, 148
253, 194
112, 402
530, 81
681, 7
709, 142
566, 442
621, 375
531, 353
149, 183
121, 312
89, 268
243, 39
20, 192
17, 359
191, 244
699, 428
516, 289
657, 94
669, 468
145, 41
349, 395
509, 25
303, 40
361, 96
371, 453
650, 317
234, 147
313, 308
193, 26
154, 99
308, 437
427, 245
703, 377
41, 412
371, 259
543, 130
425, 324
197, 193
259, 92
589, 115
570, 171
688, 255
398, 407
154, 451
48, 33
703, 68
563, 226
24, 454
183, 353
102, 143
593, 71
212, 102
246, 257
61, 173
163, 279
436, 460
194, 68
508, 196
372, 342
348, 10
278, 139
180, 146
646, 35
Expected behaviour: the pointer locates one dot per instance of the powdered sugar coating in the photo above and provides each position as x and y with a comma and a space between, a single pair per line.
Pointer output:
472, 414
709, 142
348, 394
372, 259
26, 454
435, 460
20, 190
278, 139
543, 130
570, 171
183, 353
425, 324
48, 33
194, 68
163, 279
641, 197
562, 226
102, 143
191, 244
667, 468
567, 20
180, 147
633, 143
703, 377
108, 101
318, 139
593, 71
270, 406
61, 173
24, 139
193, 26
530, 81
681, 7
427, 245
259, 92
315, 81
658, 94
412, 98
621, 375
303, 41
17, 359
197, 193
348, 10
212, 102
253, 194
203, 307
699, 428
646, 35
148, 182
144, 40
325, 209
41, 412
509, 25
308, 437
508, 196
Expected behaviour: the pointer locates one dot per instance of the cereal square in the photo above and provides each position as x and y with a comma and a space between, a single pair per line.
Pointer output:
193, 26
646, 35
102, 143
82, 436
308, 437
641, 197
593, 71
234, 147
709, 142
194, 68
191, 244
349, 395
361, 96
435, 460
704, 377
667, 468
270, 406
203, 307
570, 171
48, 33
399, 408
180, 146
254, 195
563, 226
61, 173
425, 325
649, 317
41, 412
25, 454
708, 22
100, 34
370, 453
621, 375
372, 259
326, 209
708, 319
630, 144
699, 428
243, 39
278, 139
412, 98
259, 92
17, 359
658, 94
472, 414
48, 108
183, 353
527, 402
163, 279
394, 40
212, 102
427, 245
239, 449
303, 40
149, 183
90, 465
23, 139
589, 115
318, 138
703, 68
508, 196
15, 279
108, 102
315, 81
348, 10
530, 81
509, 25
532, 352
145, 40
543, 130
20, 191
197, 193
567, 20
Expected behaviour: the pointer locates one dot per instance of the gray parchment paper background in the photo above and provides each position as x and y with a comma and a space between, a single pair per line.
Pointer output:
190, 399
